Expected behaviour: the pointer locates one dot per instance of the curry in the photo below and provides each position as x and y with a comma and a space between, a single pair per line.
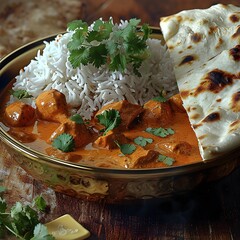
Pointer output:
120, 135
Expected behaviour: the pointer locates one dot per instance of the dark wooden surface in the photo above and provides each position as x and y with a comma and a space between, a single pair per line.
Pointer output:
210, 212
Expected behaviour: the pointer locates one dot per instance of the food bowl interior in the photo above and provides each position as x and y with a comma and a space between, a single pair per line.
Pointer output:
11, 66
201, 171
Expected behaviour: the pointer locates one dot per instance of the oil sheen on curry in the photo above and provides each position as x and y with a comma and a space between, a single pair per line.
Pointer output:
120, 135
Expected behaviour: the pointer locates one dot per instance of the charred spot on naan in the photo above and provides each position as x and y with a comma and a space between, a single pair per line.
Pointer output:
195, 126
212, 30
234, 126
220, 43
202, 137
234, 18
235, 52
188, 59
215, 81
195, 116
184, 94
196, 37
235, 106
176, 18
237, 33
212, 117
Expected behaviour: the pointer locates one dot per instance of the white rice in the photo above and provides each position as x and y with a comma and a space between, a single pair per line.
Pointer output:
87, 88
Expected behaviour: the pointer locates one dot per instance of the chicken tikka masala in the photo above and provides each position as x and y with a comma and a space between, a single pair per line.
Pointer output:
120, 135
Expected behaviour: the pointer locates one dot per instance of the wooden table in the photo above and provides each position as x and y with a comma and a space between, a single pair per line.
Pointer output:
210, 212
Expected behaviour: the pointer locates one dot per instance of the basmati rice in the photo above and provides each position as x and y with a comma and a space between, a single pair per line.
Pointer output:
87, 88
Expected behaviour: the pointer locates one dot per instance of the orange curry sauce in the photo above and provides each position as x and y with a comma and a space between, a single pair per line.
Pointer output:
182, 146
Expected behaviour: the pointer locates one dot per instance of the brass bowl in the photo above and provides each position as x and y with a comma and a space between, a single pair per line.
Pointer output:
92, 183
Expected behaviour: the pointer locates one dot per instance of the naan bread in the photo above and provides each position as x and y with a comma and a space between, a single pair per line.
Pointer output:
195, 36
207, 67
211, 96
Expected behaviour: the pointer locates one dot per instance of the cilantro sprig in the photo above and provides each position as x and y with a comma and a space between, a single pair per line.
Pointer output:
126, 148
160, 98
64, 142
105, 43
77, 118
160, 132
142, 141
110, 119
23, 220
20, 94
166, 160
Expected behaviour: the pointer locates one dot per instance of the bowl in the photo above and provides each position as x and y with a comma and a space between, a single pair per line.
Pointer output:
92, 183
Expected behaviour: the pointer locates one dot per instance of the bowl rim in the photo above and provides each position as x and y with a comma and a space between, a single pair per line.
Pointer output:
41, 157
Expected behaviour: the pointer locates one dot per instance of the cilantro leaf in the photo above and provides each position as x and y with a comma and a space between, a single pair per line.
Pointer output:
110, 119
40, 203
20, 94
160, 132
118, 63
97, 55
160, 98
22, 221
41, 233
142, 141
101, 31
102, 43
146, 31
126, 148
77, 118
166, 160
64, 142
79, 56
2, 189
3, 205
77, 40
75, 24
24, 218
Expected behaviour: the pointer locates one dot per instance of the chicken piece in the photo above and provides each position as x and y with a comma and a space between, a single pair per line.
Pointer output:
127, 110
176, 103
157, 114
180, 147
109, 140
52, 106
19, 114
140, 157
80, 133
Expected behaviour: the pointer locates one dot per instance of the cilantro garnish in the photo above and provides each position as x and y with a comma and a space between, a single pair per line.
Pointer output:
160, 98
160, 132
77, 118
142, 141
40, 203
126, 148
20, 94
64, 142
104, 43
110, 119
22, 221
41, 233
166, 160
2, 189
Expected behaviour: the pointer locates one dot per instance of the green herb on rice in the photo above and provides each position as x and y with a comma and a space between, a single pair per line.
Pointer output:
20, 94
104, 43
